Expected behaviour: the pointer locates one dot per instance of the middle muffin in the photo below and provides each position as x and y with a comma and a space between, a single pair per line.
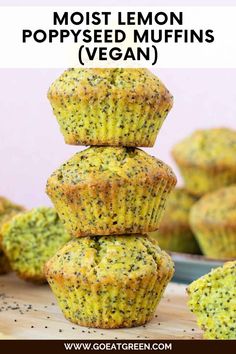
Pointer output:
108, 190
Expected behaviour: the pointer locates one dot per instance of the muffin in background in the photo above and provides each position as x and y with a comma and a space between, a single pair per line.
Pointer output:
116, 107
4, 263
207, 160
109, 281
212, 300
7, 210
213, 221
110, 190
174, 233
30, 239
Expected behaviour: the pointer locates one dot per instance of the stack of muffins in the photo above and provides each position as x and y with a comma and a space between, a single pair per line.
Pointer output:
112, 194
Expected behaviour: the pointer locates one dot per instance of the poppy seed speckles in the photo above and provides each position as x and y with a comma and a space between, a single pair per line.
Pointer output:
116, 107
212, 299
207, 160
115, 276
108, 190
30, 239
109, 281
213, 220
174, 233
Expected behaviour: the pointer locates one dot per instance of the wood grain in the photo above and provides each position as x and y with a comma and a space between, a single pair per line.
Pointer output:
30, 311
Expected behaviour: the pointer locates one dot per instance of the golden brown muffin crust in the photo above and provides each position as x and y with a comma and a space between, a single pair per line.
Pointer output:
213, 149
91, 84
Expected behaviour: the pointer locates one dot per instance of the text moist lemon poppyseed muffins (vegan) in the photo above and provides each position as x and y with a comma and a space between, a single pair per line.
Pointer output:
7, 211
212, 298
207, 160
115, 280
109, 281
110, 190
116, 107
174, 233
30, 239
213, 221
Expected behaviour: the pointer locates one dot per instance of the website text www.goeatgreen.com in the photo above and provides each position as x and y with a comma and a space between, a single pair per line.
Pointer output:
161, 346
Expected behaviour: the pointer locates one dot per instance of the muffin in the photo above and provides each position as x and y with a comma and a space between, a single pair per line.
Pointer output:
109, 281
213, 221
110, 190
30, 239
4, 263
207, 160
7, 211
116, 107
212, 300
174, 233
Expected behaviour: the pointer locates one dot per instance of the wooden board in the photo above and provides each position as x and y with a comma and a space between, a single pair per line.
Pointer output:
30, 311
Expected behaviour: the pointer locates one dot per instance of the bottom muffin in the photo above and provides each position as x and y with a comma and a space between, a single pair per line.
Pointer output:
109, 281
212, 300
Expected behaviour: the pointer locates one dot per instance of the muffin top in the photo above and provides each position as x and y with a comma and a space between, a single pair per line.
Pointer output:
89, 84
212, 299
217, 208
110, 258
8, 209
109, 164
178, 208
29, 239
212, 148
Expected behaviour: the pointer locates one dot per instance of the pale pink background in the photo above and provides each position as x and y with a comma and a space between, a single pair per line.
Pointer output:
31, 146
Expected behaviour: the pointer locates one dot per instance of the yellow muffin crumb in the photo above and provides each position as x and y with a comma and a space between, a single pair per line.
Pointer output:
8, 209
116, 107
109, 281
108, 190
212, 298
30, 239
174, 233
213, 220
207, 160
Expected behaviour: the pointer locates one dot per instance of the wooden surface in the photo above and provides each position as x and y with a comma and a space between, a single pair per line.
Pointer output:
30, 311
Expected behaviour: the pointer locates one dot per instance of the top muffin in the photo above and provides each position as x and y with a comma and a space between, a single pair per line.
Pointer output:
117, 107
207, 159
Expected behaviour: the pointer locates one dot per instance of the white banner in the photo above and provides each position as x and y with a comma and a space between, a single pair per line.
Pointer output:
165, 37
